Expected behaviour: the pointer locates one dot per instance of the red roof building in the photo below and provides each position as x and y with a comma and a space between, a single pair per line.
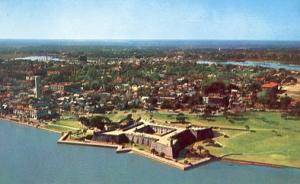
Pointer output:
270, 85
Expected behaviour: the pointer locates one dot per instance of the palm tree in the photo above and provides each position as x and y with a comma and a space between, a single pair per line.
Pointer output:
153, 151
200, 148
206, 153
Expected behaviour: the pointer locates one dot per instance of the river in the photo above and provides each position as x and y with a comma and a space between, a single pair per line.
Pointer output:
266, 64
31, 156
40, 58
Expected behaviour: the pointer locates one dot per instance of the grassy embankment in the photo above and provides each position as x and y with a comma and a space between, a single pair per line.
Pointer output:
66, 124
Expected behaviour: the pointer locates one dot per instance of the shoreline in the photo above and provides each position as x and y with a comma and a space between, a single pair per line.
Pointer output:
246, 162
142, 153
18, 122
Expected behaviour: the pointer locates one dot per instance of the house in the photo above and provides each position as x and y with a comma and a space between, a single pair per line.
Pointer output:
270, 86
30, 112
54, 72
65, 87
216, 100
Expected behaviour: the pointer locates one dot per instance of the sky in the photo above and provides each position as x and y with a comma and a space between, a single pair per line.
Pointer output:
150, 19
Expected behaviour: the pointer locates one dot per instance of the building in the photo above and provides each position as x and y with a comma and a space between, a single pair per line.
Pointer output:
216, 100
163, 140
65, 87
54, 72
30, 112
37, 86
270, 86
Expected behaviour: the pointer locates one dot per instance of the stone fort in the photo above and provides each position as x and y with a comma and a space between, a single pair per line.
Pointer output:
163, 140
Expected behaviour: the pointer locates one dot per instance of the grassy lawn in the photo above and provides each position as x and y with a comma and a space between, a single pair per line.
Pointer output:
280, 147
142, 147
73, 123
276, 140
57, 128
64, 125
255, 120
117, 116
80, 134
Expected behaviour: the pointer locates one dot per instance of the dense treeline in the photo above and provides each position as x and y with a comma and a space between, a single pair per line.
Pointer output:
284, 55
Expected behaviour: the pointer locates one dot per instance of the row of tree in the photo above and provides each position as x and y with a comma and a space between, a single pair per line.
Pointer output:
95, 121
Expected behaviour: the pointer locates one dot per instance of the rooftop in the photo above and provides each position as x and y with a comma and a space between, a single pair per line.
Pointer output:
270, 85
163, 139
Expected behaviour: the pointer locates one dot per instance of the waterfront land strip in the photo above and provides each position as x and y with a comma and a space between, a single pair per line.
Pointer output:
257, 137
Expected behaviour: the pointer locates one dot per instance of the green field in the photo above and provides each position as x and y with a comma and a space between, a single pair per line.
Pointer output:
255, 120
273, 139
53, 127
64, 125
267, 146
117, 115
73, 123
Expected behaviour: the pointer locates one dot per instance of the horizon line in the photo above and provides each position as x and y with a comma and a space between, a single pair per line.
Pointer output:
146, 39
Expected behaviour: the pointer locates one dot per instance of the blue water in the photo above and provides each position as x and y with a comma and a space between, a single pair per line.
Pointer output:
31, 156
39, 58
266, 64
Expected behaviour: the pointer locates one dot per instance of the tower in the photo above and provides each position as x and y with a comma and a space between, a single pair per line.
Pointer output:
37, 87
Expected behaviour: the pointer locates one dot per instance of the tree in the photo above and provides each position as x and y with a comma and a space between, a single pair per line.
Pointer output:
57, 78
99, 121
153, 101
162, 154
195, 100
200, 148
166, 104
207, 112
129, 117
91, 73
263, 97
285, 101
153, 151
295, 111
181, 117
206, 153
95, 85
186, 162
254, 86
215, 87
185, 99
83, 120
126, 121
